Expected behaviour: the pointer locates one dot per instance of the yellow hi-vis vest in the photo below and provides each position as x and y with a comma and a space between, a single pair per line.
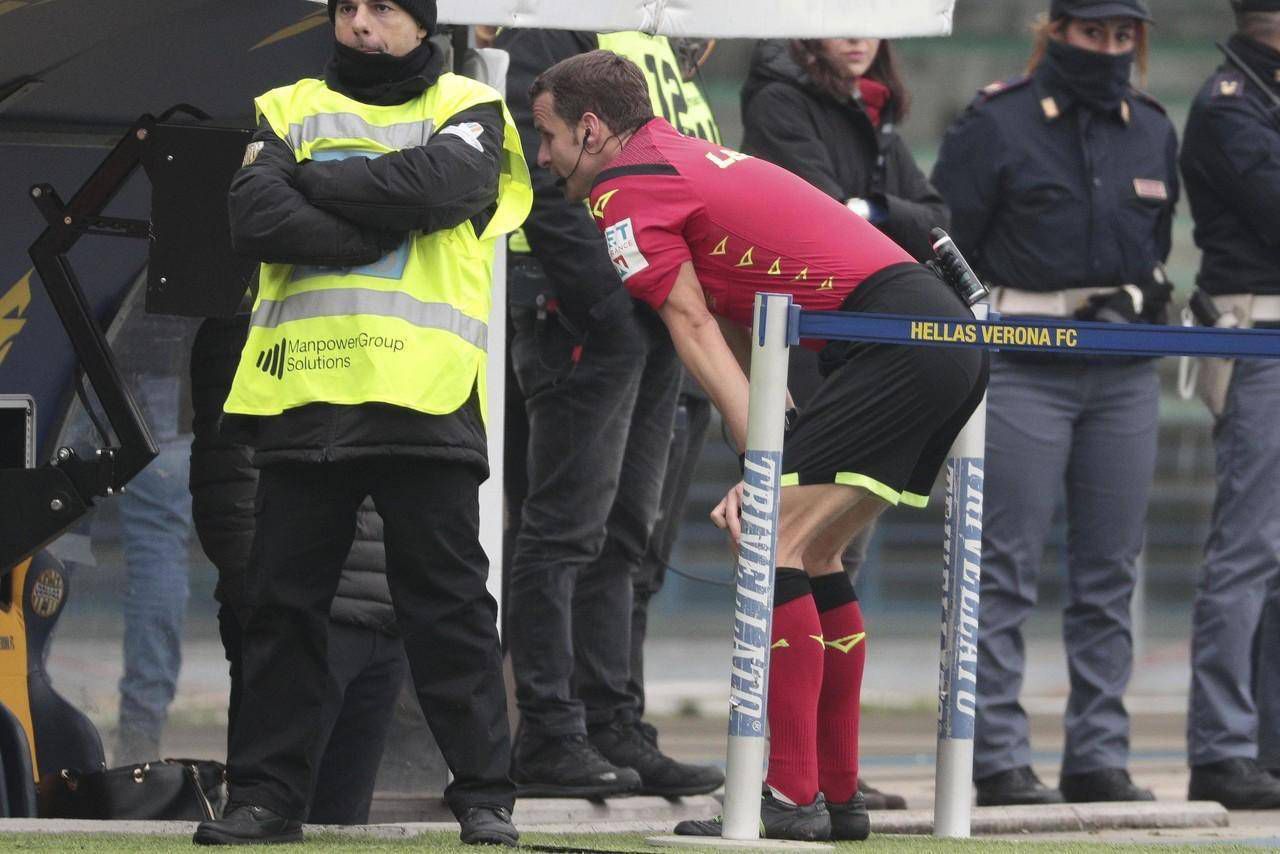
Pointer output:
677, 100
409, 330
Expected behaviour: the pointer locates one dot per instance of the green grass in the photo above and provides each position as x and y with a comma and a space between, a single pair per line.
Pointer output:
620, 842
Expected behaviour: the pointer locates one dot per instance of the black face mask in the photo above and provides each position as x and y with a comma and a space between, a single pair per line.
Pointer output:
381, 79
1098, 80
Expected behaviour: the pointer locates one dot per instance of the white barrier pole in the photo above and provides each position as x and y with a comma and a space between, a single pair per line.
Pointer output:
958, 677
753, 605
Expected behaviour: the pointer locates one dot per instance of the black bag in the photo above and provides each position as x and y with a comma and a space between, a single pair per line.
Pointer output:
172, 789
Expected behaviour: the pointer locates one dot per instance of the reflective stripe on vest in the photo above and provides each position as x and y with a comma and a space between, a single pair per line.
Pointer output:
409, 330
351, 126
346, 301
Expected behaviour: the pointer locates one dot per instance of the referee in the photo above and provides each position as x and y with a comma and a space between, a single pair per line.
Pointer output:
696, 230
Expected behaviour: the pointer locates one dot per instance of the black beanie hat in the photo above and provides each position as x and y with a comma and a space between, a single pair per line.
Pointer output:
1256, 5
423, 11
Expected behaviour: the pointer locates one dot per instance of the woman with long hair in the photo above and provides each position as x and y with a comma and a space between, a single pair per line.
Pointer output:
1062, 184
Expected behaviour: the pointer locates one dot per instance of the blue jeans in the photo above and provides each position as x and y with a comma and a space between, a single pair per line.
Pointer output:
155, 517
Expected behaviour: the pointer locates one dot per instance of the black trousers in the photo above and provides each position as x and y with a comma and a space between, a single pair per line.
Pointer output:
366, 670
306, 515
599, 432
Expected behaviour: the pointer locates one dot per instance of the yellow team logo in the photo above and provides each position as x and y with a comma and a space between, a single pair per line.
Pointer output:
602, 203
847, 642
13, 305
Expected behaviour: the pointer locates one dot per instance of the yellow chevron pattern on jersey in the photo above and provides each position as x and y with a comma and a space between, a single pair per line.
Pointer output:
780, 643
847, 642
721, 247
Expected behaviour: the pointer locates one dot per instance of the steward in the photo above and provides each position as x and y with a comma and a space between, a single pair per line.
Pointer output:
374, 198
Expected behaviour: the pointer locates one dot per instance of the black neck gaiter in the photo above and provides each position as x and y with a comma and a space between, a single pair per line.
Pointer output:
1098, 80
1258, 56
381, 79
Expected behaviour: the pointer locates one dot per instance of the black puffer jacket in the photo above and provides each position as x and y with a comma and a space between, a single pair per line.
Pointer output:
348, 213
789, 120
224, 482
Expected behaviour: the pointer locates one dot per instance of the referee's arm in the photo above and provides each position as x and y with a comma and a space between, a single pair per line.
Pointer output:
705, 353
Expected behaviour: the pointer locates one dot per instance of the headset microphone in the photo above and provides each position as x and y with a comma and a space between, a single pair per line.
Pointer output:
561, 182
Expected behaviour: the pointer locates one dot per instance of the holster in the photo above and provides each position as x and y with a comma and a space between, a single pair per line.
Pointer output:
1210, 379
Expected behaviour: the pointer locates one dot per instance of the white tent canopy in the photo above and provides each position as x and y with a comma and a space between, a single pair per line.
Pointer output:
718, 18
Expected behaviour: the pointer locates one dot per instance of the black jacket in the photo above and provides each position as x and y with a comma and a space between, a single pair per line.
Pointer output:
1049, 193
1231, 163
789, 120
348, 213
224, 483
561, 233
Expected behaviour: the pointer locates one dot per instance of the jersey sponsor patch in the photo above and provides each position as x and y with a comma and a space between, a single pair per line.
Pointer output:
1149, 188
624, 252
251, 152
469, 132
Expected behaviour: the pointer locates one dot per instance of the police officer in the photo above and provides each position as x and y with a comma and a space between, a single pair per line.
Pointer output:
1062, 186
374, 197
600, 380
1231, 162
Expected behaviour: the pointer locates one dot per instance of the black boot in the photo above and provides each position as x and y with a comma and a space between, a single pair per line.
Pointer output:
246, 824
1237, 784
628, 745
878, 800
1013, 787
1108, 784
566, 766
849, 820
488, 826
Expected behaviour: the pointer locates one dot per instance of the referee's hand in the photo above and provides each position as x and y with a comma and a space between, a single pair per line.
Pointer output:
727, 514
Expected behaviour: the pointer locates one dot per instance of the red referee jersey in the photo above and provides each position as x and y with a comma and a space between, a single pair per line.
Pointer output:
746, 224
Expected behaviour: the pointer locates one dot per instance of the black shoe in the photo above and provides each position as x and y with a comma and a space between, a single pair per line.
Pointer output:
878, 800
649, 731
627, 745
778, 820
488, 826
1237, 784
1108, 784
1014, 787
849, 820
246, 824
567, 766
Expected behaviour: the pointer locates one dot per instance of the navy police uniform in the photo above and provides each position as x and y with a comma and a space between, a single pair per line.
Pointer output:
1231, 161
1062, 192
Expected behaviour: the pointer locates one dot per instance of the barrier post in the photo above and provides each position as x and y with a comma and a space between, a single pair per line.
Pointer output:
753, 602
958, 669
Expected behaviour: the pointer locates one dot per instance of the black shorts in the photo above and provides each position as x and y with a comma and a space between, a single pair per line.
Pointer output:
886, 415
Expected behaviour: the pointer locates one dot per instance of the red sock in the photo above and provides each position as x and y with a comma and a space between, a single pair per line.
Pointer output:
839, 707
795, 681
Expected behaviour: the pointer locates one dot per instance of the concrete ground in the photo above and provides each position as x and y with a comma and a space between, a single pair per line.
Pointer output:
688, 696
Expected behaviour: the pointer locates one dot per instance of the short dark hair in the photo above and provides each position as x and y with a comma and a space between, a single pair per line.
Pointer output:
601, 82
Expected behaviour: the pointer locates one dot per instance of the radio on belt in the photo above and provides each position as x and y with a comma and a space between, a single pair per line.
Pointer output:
956, 271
